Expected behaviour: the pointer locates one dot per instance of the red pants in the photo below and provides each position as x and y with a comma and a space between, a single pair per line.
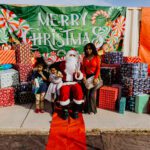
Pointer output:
76, 92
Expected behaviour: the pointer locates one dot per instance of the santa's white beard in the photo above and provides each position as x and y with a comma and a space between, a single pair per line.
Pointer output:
71, 65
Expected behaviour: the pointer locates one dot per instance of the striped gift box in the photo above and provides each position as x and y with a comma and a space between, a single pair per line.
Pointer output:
7, 57
7, 97
108, 97
23, 53
130, 59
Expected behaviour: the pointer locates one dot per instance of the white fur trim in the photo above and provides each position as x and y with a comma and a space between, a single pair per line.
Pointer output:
78, 101
69, 83
80, 77
74, 52
58, 87
64, 103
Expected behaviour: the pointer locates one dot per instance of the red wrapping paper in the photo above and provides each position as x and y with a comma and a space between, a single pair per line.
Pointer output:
7, 97
130, 59
25, 71
108, 97
23, 53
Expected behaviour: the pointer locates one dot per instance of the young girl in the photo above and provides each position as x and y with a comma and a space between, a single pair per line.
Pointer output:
40, 81
56, 82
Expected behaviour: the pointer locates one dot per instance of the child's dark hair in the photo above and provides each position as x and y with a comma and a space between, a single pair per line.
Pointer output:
53, 66
40, 61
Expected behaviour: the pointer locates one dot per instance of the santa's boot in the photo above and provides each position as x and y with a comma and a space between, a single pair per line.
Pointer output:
65, 113
75, 110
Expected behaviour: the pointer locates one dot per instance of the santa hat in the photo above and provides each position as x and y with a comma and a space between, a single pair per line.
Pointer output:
73, 52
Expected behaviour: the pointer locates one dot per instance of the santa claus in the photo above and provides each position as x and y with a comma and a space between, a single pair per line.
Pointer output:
71, 89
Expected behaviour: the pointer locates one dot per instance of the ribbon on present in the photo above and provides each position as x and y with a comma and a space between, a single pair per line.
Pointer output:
6, 47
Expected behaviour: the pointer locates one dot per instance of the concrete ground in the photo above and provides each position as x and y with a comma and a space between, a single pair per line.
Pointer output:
23, 117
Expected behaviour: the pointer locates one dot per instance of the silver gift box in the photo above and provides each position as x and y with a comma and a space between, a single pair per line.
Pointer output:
9, 78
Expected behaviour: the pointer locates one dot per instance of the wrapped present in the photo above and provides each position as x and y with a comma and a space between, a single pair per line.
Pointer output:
130, 70
8, 78
131, 59
122, 105
130, 104
143, 70
25, 72
113, 58
109, 75
118, 66
108, 97
134, 70
141, 103
133, 86
23, 87
7, 97
23, 53
146, 86
24, 98
7, 57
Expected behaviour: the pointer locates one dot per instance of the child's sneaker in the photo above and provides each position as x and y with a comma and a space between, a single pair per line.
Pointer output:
37, 110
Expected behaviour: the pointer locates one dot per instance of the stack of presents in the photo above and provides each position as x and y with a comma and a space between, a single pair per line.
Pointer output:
126, 84
15, 73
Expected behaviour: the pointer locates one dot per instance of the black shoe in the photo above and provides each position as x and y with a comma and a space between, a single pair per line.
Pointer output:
75, 115
65, 114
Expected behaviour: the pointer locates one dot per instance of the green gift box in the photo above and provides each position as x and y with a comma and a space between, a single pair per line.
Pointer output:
141, 103
122, 105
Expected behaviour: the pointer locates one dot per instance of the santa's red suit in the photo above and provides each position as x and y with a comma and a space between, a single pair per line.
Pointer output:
69, 69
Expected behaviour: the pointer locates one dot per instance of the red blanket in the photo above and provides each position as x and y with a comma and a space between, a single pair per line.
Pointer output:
66, 134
